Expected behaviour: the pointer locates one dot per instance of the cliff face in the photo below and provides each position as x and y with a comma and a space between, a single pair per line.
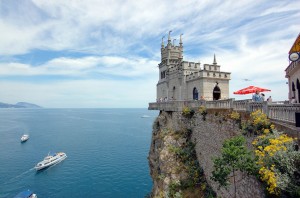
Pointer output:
173, 176
172, 159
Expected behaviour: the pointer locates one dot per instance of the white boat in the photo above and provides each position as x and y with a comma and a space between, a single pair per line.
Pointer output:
50, 160
145, 116
24, 138
26, 194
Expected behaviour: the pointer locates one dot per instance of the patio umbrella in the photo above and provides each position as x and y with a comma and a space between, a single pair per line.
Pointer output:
250, 89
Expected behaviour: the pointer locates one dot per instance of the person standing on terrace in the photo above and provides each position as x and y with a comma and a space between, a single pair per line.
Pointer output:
256, 97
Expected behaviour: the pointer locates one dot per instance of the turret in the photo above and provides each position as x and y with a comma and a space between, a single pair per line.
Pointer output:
180, 41
215, 62
169, 48
162, 42
181, 48
169, 39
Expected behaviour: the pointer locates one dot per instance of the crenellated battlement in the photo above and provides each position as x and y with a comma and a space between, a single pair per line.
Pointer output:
187, 80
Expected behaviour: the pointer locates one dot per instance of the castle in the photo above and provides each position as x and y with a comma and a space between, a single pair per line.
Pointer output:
183, 80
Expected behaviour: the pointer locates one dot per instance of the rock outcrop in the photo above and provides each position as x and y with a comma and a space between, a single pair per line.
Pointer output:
203, 135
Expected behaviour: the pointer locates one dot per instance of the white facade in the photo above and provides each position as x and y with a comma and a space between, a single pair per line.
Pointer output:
293, 73
183, 80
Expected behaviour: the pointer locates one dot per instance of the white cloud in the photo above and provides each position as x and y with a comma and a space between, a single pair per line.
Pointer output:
81, 93
121, 39
83, 67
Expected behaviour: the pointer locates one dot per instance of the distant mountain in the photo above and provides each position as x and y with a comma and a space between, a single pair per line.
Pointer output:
28, 105
19, 105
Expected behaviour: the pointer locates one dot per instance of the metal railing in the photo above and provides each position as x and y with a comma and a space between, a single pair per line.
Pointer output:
281, 112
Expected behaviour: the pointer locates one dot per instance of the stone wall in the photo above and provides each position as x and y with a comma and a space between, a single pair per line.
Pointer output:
209, 136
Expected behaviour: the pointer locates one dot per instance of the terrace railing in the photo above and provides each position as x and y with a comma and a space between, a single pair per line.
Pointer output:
277, 110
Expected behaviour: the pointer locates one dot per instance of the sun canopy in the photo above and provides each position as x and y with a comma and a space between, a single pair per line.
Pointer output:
250, 89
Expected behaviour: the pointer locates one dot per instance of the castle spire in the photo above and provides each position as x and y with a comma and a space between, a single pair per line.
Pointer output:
168, 59
174, 42
215, 62
169, 37
180, 41
162, 42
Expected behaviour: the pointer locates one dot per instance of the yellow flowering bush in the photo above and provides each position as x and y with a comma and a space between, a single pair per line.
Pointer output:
268, 176
202, 109
258, 124
277, 161
187, 112
259, 118
235, 115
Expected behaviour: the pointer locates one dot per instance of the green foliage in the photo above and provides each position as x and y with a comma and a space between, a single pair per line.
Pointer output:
186, 154
278, 162
164, 132
185, 133
161, 176
187, 112
234, 156
257, 124
174, 188
202, 110
236, 117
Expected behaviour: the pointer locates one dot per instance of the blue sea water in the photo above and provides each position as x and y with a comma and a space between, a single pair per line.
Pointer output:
107, 152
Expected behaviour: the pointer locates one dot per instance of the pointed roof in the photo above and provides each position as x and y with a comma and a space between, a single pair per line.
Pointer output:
296, 45
169, 37
180, 40
215, 62
162, 42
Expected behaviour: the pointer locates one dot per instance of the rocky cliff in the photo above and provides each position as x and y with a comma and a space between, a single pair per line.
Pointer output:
181, 153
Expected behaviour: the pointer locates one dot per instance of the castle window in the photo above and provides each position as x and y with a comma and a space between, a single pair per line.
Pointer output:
216, 92
173, 95
195, 94
163, 74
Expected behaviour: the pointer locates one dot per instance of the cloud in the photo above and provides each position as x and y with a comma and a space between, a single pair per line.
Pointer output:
119, 42
81, 93
85, 66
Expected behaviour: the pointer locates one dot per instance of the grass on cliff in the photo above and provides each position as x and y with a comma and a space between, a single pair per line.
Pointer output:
195, 185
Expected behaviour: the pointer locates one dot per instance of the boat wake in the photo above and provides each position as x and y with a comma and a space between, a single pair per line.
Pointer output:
14, 179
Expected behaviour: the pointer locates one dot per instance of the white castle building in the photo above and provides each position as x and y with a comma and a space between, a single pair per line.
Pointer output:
293, 71
183, 80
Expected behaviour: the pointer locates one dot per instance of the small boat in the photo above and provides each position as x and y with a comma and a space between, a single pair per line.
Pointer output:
26, 194
24, 138
145, 116
50, 160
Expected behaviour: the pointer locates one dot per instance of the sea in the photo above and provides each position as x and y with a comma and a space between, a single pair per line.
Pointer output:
107, 152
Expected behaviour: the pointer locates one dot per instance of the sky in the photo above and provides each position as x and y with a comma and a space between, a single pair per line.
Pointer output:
104, 54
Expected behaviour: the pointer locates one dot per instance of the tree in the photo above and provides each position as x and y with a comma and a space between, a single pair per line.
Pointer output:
234, 157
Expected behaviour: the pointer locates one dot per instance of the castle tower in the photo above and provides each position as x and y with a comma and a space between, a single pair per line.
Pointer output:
171, 57
183, 80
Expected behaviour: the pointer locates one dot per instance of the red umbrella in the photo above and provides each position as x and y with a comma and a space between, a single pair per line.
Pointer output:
251, 89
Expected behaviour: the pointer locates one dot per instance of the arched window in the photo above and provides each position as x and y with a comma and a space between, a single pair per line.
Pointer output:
173, 95
293, 87
195, 94
216, 92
